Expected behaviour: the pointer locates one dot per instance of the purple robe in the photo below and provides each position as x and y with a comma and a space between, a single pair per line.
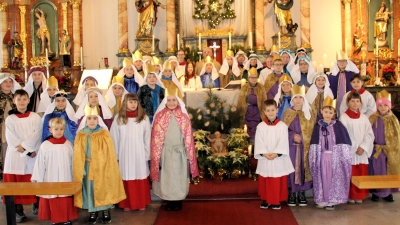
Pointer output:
330, 163
378, 166
295, 128
334, 82
252, 118
274, 89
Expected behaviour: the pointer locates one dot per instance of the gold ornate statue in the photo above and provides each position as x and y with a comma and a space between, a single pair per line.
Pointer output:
148, 16
218, 143
16, 47
381, 24
43, 32
358, 38
283, 15
65, 48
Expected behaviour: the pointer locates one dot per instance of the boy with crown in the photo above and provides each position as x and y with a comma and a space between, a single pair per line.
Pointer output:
47, 94
271, 83
115, 94
137, 61
132, 79
170, 82
386, 152
209, 75
157, 65
229, 70
330, 159
274, 50
253, 62
95, 166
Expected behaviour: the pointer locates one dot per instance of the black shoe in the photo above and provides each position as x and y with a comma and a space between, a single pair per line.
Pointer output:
389, 198
264, 205
93, 217
301, 198
291, 199
276, 207
177, 206
106, 216
375, 198
35, 208
19, 214
66, 223
169, 206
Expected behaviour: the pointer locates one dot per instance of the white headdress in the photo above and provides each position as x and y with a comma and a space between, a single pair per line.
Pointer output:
88, 111
253, 56
102, 102
295, 73
81, 91
240, 52
29, 86
313, 90
300, 91
349, 67
109, 97
163, 105
68, 109
291, 61
5, 76
214, 72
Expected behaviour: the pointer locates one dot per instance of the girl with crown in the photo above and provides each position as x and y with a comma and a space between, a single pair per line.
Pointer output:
253, 62
170, 82
385, 155
300, 121
157, 65
229, 70
318, 92
330, 159
138, 63
283, 97
115, 94
37, 82
47, 94
209, 75
132, 79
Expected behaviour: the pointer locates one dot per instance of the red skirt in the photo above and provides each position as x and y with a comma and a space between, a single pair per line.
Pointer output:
20, 199
58, 210
137, 194
356, 193
273, 190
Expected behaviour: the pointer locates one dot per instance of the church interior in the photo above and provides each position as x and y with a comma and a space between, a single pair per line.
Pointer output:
75, 39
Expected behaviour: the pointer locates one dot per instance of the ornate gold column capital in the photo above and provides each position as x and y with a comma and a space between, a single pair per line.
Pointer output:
346, 2
75, 3
64, 6
3, 7
22, 9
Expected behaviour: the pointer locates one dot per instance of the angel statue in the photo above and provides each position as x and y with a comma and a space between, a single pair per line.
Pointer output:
148, 16
283, 15
43, 32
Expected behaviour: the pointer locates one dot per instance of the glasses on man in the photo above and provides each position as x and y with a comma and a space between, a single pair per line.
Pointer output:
303, 64
278, 64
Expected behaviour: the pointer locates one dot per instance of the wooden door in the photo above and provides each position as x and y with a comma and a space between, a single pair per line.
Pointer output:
218, 42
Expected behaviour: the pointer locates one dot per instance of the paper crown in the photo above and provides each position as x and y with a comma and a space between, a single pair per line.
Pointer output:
384, 94
274, 48
277, 57
52, 82
127, 62
253, 56
285, 77
118, 79
150, 68
253, 71
340, 55
167, 65
298, 90
230, 53
137, 56
329, 102
156, 61
208, 59
89, 111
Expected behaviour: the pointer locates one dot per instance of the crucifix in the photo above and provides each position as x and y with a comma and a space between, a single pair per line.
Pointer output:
214, 47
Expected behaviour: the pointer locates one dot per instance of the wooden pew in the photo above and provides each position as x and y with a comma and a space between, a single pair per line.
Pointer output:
10, 189
376, 182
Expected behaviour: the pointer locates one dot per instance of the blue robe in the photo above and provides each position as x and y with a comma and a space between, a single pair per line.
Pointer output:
285, 105
303, 80
70, 128
206, 80
130, 84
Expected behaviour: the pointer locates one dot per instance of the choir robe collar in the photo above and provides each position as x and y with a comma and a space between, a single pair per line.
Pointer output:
361, 91
352, 114
272, 123
56, 141
18, 113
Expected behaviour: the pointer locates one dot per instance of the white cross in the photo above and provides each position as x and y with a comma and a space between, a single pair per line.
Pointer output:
214, 48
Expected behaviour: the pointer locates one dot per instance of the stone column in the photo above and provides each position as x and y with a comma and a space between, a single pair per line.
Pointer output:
171, 31
22, 11
250, 22
64, 7
259, 15
4, 28
305, 23
347, 28
123, 26
76, 33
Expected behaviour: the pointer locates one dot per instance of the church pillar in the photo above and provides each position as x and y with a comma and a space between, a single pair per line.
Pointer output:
250, 23
76, 31
123, 26
305, 23
171, 30
4, 28
259, 17
347, 27
22, 11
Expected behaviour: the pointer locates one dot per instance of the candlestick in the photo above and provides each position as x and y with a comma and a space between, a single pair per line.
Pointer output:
152, 44
230, 40
177, 45
26, 74
251, 40
325, 61
249, 149
279, 41
376, 46
47, 58
199, 41
25, 57
81, 55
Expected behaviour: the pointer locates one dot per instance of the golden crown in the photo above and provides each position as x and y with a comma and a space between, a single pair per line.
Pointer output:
52, 82
253, 71
274, 48
89, 111
150, 68
167, 65
285, 77
230, 53
127, 62
384, 94
329, 102
208, 59
340, 55
156, 61
277, 57
298, 90
118, 79
137, 56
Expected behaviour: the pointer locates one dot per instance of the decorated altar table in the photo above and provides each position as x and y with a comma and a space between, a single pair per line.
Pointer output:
195, 98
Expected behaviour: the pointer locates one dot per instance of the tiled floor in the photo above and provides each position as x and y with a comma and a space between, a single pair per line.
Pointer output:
369, 212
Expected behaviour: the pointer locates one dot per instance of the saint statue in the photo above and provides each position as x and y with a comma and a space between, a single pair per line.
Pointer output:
16, 46
358, 40
381, 24
283, 15
43, 32
65, 49
148, 16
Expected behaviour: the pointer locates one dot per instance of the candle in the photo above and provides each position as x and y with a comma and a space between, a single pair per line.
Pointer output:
325, 61
332, 64
320, 68
47, 58
251, 40
376, 46
249, 149
242, 83
199, 41
245, 126
230, 40
25, 58
258, 80
26, 76
279, 40
82, 55
314, 63
152, 44
177, 45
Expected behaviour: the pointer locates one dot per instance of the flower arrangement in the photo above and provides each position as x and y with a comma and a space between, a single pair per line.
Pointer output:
19, 80
202, 149
238, 139
237, 160
63, 82
388, 75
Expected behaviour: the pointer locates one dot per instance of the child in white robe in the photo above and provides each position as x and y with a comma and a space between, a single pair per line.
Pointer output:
131, 134
272, 152
54, 164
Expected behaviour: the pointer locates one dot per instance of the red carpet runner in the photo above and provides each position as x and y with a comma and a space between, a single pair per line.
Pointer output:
241, 212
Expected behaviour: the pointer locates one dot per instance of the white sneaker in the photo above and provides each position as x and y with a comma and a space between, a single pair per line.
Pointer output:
320, 206
359, 201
